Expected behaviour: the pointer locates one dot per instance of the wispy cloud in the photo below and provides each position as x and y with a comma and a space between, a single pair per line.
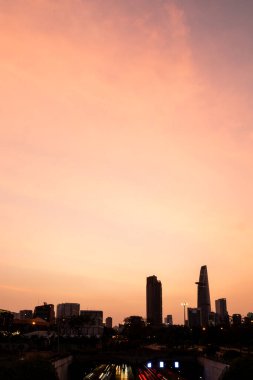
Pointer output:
122, 143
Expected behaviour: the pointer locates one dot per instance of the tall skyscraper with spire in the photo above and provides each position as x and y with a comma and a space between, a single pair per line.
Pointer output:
204, 303
154, 301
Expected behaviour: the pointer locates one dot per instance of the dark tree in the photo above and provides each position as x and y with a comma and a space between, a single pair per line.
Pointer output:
134, 327
28, 370
241, 369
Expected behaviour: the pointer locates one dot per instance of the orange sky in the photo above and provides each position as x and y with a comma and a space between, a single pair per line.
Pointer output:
126, 146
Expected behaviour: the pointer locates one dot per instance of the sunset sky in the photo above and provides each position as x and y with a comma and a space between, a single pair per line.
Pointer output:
126, 140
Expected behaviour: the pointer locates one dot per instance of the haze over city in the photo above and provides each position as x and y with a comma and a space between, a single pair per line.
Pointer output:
126, 146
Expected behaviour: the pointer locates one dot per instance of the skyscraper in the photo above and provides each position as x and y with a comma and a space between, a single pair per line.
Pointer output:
154, 301
204, 303
221, 310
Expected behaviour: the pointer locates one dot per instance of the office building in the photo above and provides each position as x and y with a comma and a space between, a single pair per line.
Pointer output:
92, 322
88, 323
67, 310
194, 317
108, 322
204, 303
154, 301
221, 311
168, 320
92, 317
45, 311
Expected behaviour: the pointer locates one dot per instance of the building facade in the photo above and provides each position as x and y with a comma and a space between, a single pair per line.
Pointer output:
92, 322
92, 317
45, 311
67, 310
154, 301
194, 317
108, 322
221, 311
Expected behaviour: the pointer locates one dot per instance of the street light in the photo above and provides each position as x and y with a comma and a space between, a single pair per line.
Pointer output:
184, 304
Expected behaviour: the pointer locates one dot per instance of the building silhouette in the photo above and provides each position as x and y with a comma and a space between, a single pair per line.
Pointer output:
154, 301
204, 303
67, 310
92, 317
168, 320
221, 311
108, 322
194, 317
92, 322
45, 311
6, 320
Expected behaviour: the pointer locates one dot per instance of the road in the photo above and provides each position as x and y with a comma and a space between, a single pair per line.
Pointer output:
153, 374
125, 372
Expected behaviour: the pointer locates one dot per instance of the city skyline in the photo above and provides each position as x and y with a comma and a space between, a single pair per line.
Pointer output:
127, 149
154, 309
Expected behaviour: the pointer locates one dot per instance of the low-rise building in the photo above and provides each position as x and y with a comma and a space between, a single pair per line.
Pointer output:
26, 314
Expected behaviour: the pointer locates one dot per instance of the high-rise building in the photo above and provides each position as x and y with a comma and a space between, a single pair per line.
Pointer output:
108, 322
194, 317
204, 303
154, 301
67, 310
45, 311
221, 311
